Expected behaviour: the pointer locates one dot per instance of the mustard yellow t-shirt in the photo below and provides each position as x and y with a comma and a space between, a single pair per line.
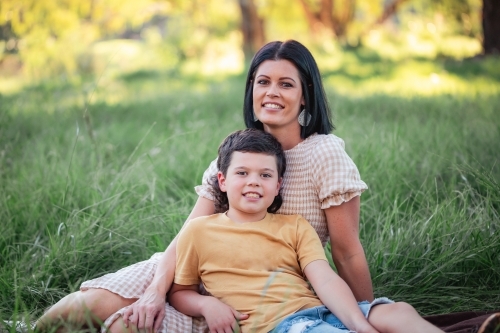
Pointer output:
255, 267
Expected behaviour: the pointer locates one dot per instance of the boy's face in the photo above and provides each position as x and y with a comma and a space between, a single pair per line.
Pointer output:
251, 183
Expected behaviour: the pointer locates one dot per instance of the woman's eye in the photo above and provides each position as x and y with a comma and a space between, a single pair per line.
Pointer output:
287, 85
262, 82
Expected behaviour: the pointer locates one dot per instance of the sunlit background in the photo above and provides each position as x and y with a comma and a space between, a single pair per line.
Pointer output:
42, 39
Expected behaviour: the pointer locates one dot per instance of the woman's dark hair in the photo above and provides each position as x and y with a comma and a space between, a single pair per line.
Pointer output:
247, 141
316, 103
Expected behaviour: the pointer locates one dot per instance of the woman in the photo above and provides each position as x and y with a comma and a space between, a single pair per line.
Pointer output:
284, 96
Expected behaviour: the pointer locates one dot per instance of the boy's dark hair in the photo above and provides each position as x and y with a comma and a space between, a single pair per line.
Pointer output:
247, 141
316, 102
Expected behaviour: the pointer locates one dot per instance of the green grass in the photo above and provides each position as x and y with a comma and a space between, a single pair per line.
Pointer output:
83, 193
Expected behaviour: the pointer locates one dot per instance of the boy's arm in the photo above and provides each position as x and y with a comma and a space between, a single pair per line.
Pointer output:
336, 295
219, 316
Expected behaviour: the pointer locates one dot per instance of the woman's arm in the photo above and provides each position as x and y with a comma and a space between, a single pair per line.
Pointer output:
347, 251
220, 317
149, 310
336, 296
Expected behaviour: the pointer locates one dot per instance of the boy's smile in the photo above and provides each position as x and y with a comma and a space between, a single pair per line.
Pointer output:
251, 183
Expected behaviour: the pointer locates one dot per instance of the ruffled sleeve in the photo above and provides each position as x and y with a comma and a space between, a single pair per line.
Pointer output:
204, 190
336, 177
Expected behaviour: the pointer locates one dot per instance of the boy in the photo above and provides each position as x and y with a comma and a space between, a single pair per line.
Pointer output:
257, 262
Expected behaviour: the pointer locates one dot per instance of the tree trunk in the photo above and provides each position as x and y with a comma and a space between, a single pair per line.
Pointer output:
325, 16
312, 18
491, 26
344, 18
252, 28
389, 10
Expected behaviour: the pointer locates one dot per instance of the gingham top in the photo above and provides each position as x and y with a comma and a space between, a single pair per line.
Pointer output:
319, 174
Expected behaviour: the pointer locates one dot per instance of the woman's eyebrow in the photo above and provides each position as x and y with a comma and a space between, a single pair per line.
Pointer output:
281, 78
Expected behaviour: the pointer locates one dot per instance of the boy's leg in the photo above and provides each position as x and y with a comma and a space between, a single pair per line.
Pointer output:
398, 318
83, 308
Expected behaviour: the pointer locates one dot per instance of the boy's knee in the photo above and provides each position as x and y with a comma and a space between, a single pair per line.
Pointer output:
396, 310
403, 309
390, 316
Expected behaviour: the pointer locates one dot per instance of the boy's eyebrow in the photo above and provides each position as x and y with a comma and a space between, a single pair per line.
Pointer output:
245, 167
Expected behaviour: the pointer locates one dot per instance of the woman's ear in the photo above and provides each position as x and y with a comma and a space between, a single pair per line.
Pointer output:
222, 181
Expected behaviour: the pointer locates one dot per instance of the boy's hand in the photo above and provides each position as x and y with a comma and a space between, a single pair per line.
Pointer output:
220, 317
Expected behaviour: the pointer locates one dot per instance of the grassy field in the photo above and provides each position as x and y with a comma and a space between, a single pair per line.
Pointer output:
96, 175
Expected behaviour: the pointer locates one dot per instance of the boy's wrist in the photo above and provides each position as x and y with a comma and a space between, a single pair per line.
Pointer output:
204, 304
364, 327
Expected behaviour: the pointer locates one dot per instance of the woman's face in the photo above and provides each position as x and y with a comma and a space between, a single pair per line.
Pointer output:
277, 95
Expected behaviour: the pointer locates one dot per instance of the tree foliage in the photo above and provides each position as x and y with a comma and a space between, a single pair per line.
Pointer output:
53, 36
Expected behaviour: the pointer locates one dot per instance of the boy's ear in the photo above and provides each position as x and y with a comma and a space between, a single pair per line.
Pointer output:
222, 181
278, 187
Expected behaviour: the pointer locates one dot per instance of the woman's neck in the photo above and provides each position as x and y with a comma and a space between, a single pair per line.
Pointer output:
287, 138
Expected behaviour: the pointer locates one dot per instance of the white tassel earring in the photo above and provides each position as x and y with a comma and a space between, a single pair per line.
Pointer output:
255, 119
304, 118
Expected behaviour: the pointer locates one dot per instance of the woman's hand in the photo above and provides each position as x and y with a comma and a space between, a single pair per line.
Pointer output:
221, 318
147, 312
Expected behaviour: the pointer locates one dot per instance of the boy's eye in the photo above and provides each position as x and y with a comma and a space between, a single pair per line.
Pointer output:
266, 175
241, 173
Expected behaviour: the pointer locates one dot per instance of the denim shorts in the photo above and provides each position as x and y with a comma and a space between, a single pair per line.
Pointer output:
320, 319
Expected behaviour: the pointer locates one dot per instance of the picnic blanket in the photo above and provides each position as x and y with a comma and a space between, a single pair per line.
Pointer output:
460, 322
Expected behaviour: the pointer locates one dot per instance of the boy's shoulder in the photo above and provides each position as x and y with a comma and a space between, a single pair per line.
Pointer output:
294, 220
288, 218
202, 221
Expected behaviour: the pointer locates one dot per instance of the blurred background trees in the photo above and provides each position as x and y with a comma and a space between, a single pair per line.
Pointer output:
41, 38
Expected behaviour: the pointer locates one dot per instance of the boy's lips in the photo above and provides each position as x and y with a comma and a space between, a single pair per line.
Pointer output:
252, 195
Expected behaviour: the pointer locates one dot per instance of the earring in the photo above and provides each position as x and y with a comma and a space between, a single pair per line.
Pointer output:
304, 118
255, 119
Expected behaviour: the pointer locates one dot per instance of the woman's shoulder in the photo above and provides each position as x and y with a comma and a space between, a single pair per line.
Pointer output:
325, 139
324, 145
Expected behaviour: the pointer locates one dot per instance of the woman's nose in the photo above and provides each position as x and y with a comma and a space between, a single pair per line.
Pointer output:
272, 91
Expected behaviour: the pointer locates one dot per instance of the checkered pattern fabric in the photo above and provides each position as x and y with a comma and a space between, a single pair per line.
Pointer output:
131, 282
319, 174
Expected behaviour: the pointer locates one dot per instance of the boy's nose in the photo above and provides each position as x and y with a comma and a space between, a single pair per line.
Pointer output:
254, 181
